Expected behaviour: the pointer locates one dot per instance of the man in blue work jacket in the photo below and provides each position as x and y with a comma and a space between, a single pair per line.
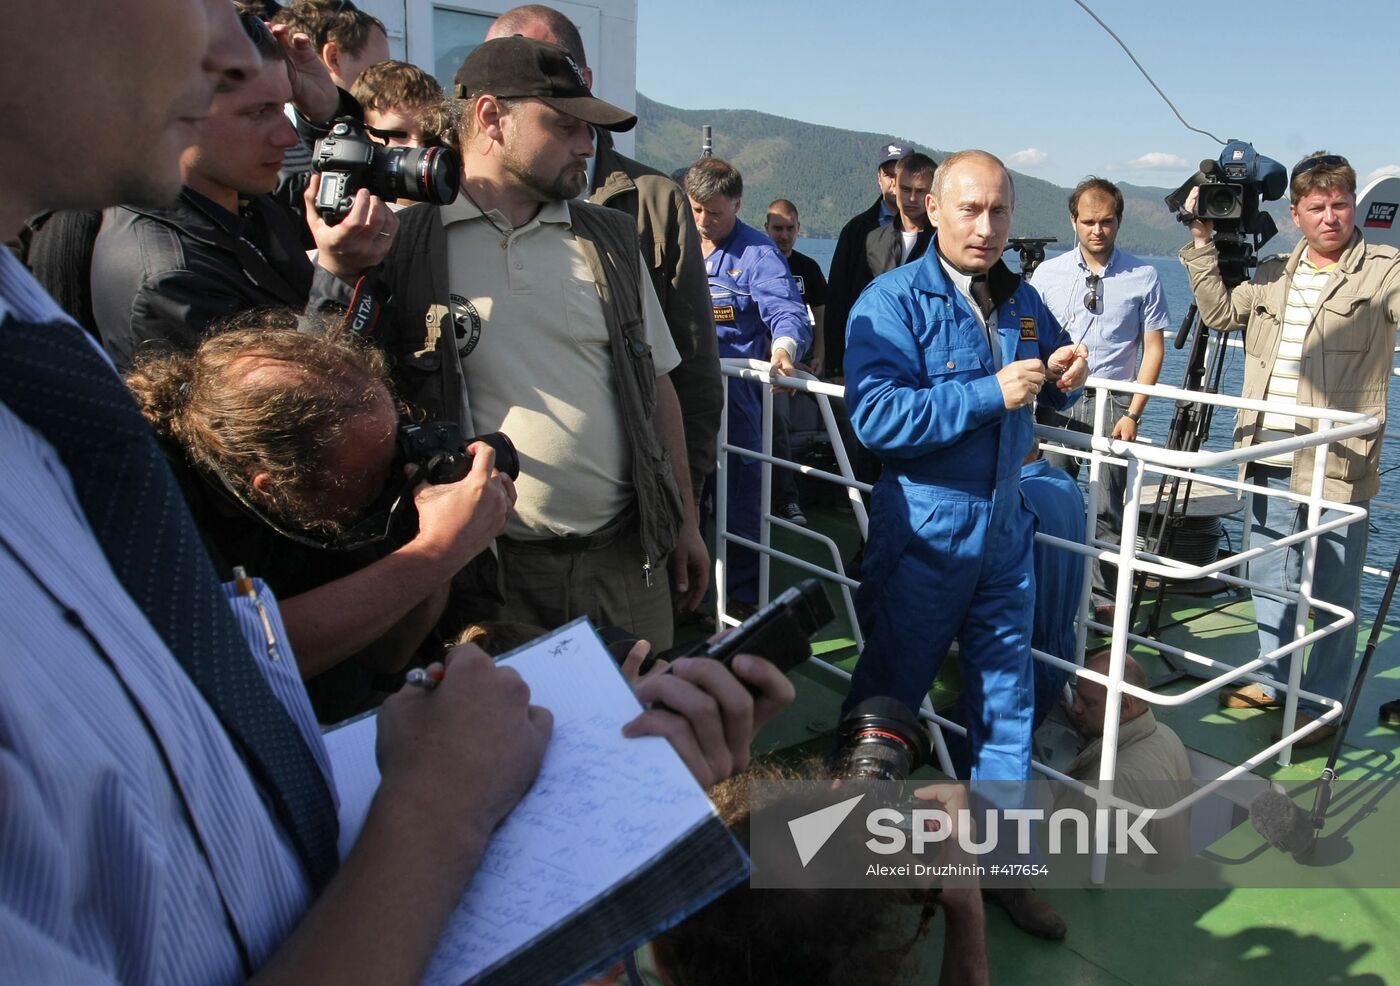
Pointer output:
945, 360
759, 314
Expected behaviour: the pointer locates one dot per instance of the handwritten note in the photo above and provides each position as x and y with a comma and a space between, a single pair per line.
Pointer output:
602, 807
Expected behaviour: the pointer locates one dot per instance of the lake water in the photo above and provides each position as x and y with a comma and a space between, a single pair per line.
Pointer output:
1385, 527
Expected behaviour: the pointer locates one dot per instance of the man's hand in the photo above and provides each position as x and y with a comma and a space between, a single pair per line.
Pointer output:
782, 366
1069, 366
460, 519
441, 754
1125, 428
632, 664
1201, 229
690, 568
710, 717
359, 241
313, 93
1021, 382
816, 362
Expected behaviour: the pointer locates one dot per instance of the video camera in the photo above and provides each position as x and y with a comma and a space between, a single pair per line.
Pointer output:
348, 160
1231, 189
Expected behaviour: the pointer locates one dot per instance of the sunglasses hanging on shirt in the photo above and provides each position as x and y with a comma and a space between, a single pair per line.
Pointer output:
1091, 297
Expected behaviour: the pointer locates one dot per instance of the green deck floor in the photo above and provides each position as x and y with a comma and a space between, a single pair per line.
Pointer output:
1347, 931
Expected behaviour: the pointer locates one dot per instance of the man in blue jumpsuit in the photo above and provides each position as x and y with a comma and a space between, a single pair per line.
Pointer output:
759, 314
950, 416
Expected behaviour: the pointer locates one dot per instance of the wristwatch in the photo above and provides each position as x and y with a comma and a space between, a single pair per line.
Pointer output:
1134, 416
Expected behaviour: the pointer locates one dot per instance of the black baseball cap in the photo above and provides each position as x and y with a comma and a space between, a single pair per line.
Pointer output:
517, 67
893, 152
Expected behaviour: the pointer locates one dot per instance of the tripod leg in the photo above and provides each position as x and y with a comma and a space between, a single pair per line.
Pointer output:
1324, 791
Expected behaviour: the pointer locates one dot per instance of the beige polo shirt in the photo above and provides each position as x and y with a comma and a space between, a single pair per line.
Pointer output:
537, 364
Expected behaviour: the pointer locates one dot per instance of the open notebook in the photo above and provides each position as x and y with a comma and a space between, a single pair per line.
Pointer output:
614, 843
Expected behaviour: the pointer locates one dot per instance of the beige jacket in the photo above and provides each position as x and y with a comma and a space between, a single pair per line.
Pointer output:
1153, 771
1348, 350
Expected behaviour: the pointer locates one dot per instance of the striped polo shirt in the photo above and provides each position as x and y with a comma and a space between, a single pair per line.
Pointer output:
1304, 291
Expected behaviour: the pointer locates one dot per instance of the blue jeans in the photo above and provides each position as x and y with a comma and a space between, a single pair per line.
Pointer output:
1336, 580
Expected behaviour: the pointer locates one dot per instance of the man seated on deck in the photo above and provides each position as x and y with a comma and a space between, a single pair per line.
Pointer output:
164, 814
1319, 330
1152, 769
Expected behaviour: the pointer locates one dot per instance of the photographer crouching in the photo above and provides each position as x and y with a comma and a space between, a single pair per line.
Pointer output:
1319, 331
289, 449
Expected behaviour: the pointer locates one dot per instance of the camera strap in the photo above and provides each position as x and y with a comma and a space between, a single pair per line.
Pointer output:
363, 313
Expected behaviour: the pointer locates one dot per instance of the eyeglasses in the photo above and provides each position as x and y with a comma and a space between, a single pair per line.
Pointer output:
1320, 161
1091, 297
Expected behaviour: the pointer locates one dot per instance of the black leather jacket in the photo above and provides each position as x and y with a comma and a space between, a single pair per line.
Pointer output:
164, 275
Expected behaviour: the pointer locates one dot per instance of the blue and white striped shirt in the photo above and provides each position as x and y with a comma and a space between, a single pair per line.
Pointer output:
130, 832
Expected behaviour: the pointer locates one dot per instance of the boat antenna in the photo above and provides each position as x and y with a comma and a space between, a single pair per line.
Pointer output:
1085, 7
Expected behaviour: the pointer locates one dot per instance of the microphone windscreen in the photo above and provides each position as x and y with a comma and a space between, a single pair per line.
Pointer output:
1282, 823
1210, 166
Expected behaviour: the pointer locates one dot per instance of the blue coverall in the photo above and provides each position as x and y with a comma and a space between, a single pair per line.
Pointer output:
755, 301
1054, 499
1055, 502
950, 549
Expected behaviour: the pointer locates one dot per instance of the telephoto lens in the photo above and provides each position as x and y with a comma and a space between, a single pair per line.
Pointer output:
882, 740
423, 174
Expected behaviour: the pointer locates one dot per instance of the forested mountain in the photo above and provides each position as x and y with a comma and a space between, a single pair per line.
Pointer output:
830, 174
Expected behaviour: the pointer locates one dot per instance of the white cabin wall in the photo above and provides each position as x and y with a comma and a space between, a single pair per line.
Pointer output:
608, 29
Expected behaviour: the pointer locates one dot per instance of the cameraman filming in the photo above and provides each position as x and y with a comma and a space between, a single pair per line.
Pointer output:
1319, 331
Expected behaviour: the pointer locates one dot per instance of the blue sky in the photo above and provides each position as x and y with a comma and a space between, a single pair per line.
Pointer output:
1040, 84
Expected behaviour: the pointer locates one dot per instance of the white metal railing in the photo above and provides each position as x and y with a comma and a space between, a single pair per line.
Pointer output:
1139, 459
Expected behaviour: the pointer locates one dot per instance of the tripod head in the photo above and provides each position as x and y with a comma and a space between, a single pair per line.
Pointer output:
1031, 249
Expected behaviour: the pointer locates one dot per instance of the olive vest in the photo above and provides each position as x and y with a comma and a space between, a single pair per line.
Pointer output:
419, 334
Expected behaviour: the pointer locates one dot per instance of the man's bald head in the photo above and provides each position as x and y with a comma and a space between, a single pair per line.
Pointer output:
953, 166
1091, 698
535, 20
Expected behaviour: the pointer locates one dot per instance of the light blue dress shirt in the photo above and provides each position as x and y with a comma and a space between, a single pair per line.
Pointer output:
134, 845
1130, 302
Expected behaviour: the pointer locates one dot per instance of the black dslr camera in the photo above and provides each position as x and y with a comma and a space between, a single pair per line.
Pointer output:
348, 161
441, 455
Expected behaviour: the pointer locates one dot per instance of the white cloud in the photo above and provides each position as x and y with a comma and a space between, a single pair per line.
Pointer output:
1158, 161
1031, 157
1381, 172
